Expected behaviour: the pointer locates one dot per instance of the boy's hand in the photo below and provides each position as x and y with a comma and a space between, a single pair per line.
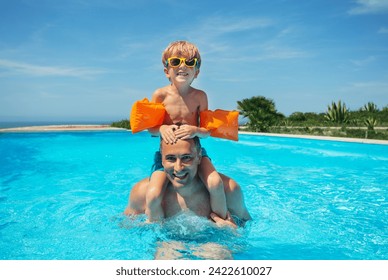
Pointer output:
186, 131
167, 133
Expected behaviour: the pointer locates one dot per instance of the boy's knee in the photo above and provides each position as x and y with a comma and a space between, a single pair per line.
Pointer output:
214, 182
233, 183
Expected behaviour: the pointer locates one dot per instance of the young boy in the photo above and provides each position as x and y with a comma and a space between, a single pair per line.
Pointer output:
183, 105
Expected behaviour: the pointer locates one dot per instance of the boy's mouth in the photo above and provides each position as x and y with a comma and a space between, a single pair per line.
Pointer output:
182, 74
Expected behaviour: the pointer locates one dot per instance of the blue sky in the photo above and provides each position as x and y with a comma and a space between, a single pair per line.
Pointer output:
91, 59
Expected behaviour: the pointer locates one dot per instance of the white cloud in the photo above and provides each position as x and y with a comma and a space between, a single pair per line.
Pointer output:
278, 51
217, 26
363, 62
369, 7
220, 26
272, 46
37, 70
371, 85
383, 30
370, 88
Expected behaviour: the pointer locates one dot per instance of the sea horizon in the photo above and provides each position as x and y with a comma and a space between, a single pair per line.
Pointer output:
16, 124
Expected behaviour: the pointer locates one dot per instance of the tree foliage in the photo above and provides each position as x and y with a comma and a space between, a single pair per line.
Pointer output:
260, 111
122, 124
297, 117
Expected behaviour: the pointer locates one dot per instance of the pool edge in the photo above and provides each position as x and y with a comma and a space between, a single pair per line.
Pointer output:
61, 128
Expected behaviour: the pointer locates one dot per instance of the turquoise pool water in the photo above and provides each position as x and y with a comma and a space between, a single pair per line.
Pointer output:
62, 195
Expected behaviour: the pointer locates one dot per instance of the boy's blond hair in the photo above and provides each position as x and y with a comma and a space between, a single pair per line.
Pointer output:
179, 49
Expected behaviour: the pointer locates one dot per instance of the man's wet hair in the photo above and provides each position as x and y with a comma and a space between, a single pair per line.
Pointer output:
197, 143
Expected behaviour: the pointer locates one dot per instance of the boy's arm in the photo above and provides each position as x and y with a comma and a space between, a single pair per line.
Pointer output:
157, 97
202, 132
189, 131
166, 131
154, 131
203, 106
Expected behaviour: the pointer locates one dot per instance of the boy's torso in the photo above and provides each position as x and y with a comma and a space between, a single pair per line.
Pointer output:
182, 109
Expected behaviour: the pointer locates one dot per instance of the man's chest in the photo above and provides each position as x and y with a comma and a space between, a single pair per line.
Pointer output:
199, 204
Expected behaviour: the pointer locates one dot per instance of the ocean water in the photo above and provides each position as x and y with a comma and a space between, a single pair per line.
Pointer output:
62, 196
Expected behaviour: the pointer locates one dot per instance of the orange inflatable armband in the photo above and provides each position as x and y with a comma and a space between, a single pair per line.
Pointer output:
146, 114
221, 123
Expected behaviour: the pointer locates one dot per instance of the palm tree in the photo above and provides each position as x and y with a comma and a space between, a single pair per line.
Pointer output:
260, 111
370, 123
370, 108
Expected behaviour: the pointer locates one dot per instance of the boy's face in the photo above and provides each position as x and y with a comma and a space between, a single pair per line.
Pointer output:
181, 74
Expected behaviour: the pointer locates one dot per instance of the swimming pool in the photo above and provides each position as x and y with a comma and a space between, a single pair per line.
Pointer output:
62, 195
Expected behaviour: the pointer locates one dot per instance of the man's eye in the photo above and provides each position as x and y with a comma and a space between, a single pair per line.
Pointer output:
187, 158
170, 159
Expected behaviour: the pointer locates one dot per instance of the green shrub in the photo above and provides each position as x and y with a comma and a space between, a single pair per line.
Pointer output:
122, 124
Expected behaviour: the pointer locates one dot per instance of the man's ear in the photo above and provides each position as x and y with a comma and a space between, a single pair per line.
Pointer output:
200, 156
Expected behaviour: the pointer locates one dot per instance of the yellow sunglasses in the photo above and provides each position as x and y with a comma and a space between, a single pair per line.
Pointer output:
176, 61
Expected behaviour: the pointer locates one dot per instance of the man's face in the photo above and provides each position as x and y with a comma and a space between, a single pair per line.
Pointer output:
180, 162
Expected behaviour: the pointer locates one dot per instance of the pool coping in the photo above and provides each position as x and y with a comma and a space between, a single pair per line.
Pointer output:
315, 137
86, 127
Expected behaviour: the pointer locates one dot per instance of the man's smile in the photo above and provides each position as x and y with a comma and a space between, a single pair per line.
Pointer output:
180, 176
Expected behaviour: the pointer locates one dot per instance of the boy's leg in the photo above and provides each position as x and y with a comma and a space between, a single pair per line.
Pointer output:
235, 198
154, 196
215, 186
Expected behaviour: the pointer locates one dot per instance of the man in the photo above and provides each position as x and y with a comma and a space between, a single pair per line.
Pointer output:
185, 190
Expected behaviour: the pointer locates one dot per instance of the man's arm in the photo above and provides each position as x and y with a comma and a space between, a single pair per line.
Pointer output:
137, 198
154, 196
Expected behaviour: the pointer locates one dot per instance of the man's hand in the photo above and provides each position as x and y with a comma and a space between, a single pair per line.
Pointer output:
221, 222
